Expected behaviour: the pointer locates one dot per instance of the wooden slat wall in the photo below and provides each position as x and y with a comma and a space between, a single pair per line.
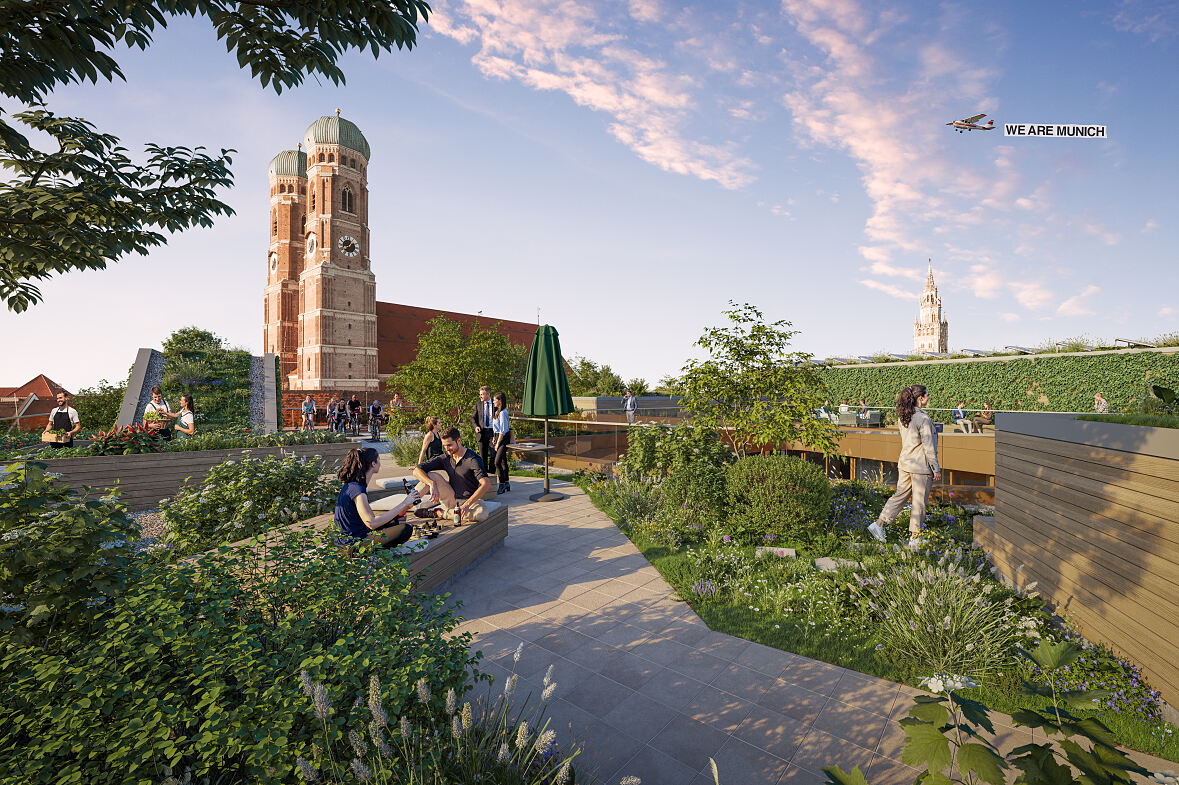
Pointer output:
145, 479
1099, 530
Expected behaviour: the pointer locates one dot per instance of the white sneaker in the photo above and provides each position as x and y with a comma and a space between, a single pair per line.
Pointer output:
877, 531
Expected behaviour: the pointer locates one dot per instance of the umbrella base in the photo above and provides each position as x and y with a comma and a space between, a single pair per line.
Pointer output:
551, 496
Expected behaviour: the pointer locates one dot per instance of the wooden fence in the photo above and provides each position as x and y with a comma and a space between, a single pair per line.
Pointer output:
145, 479
1091, 512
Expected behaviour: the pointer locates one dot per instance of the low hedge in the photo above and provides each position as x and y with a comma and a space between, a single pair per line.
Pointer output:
780, 495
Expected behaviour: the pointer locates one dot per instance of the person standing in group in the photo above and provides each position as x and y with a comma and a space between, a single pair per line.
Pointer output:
630, 405
333, 408
960, 419
482, 417
185, 418
431, 441
917, 466
355, 516
63, 418
159, 406
1100, 405
308, 409
503, 437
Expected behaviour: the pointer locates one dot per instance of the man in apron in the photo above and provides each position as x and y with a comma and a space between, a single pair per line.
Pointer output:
63, 418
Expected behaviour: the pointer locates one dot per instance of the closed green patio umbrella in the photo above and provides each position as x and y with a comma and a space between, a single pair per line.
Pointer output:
546, 392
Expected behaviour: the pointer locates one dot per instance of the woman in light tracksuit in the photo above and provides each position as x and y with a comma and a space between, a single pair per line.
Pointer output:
917, 466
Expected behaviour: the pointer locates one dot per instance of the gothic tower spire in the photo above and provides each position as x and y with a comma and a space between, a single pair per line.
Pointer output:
931, 330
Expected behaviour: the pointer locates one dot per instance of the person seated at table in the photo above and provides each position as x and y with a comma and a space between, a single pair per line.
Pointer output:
353, 513
863, 408
843, 407
960, 419
456, 479
985, 417
431, 441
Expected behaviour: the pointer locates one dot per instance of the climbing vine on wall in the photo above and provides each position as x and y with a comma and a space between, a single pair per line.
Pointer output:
1038, 383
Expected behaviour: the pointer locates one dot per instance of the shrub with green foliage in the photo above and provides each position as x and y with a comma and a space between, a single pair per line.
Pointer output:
243, 497
98, 406
197, 667
780, 495
63, 554
1035, 383
694, 496
658, 449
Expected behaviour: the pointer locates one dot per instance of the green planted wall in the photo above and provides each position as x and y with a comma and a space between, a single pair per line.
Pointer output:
1036, 383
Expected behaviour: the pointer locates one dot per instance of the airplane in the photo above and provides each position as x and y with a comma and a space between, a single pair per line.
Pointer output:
971, 124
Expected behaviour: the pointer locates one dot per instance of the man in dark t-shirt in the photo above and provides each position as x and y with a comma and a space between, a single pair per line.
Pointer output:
455, 478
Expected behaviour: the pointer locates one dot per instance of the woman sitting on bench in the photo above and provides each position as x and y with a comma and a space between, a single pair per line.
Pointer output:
353, 513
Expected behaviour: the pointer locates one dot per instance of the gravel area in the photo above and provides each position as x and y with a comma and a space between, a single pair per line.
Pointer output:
151, 528
257, 394
155, 375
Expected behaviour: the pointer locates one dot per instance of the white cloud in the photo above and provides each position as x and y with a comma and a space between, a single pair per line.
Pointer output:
1076, 305
884, 268
1158, 20
1167, 310
1096, 229
984, 281
1150, 225
1032, 296
890, 290
1009, 317
582, 49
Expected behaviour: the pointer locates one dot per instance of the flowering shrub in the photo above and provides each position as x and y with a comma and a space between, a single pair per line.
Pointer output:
693, 502
633, 499
240, 498
497, 741
62, 555
943, 617
128, 440
196, 666
855, 505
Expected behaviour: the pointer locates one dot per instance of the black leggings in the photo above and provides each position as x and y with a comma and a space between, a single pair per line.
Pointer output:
398, 530
501, 458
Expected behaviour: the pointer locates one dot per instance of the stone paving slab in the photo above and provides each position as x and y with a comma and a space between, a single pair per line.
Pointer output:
646, 687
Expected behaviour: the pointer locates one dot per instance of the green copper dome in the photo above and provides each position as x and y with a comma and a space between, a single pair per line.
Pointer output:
289, 163
333, 129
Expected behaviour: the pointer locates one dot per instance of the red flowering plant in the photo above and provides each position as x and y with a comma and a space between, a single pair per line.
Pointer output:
128, 440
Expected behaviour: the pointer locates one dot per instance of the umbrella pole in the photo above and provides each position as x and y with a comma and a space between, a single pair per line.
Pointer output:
547, 495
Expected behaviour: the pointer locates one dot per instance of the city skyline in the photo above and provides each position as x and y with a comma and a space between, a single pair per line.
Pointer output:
629, 168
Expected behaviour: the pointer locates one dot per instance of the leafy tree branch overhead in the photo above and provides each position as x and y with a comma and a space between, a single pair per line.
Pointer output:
82, 202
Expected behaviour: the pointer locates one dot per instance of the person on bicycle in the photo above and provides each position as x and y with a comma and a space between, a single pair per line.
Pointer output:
340, 423
354, 407
375, 420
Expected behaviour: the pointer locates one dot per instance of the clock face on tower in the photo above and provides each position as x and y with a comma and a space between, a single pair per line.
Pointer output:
311, 244
349, 246
273, 262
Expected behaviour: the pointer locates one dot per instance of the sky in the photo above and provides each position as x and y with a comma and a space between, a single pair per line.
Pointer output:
628, 167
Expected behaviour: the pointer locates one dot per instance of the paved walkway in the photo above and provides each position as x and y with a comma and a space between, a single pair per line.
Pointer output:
647, 688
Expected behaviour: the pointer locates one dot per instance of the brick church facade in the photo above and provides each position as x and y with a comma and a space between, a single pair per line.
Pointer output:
321, 313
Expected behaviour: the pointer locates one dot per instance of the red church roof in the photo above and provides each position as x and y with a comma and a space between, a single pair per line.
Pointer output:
41, 385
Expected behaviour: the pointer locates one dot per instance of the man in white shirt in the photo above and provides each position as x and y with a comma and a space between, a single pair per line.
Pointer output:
63, 418
843, 407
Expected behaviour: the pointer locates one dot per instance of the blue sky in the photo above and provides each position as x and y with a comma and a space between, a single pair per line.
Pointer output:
629, 166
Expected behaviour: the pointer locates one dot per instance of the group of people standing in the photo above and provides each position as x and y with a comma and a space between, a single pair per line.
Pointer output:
182, 422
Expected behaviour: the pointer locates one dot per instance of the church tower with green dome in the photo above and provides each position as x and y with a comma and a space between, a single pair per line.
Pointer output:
284, 260
336, 288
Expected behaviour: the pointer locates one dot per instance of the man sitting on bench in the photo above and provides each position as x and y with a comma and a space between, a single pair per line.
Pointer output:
455, 478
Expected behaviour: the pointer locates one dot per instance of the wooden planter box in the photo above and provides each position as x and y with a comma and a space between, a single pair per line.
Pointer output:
1090, 510
53, 438
145, 479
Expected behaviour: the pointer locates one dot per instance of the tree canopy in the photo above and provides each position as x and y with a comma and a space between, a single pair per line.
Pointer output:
451, 365
82, 202
753, 391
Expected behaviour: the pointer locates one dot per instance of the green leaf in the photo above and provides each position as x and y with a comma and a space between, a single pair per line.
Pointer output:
975, 712
837, 776
983, 761
926, 746
1051, 656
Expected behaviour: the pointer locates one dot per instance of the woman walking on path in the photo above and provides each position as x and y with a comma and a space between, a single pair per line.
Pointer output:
354, 515
503, 437
917, 466
431, 442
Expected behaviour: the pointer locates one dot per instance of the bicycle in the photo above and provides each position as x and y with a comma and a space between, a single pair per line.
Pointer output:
374, 428
354, 423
